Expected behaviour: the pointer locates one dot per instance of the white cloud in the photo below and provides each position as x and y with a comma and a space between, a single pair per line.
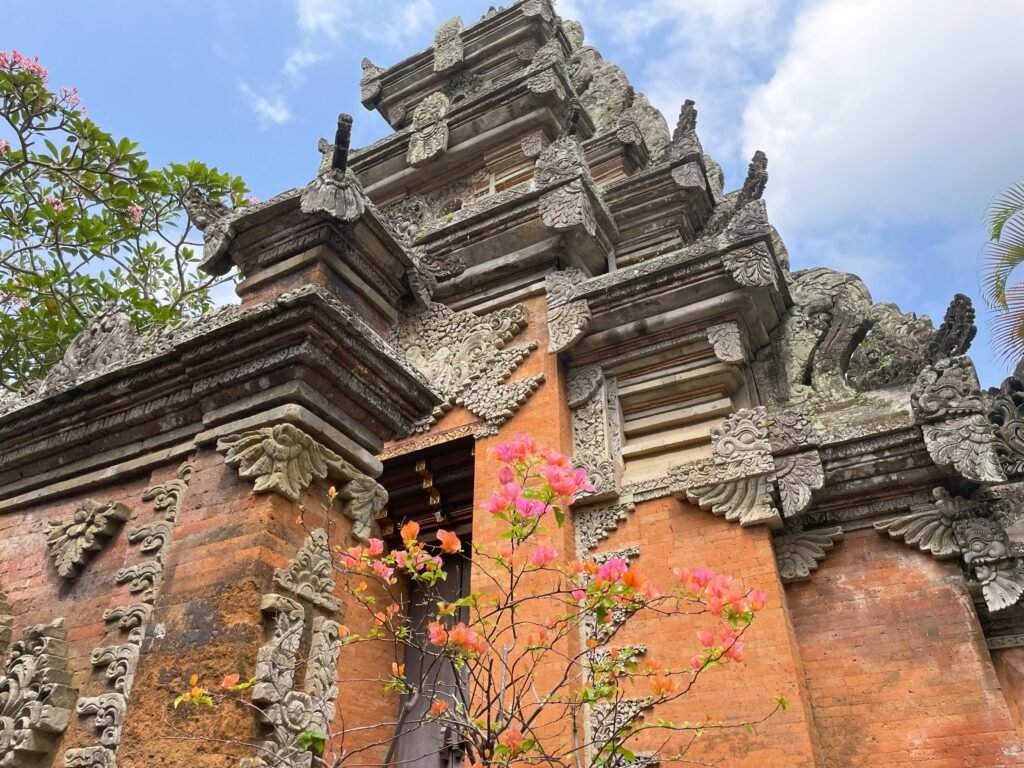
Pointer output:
300, 59
906, 112
325, 17
394, 25
401, 24
270, 110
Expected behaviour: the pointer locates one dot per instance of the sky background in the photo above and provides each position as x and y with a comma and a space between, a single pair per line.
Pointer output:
889, 124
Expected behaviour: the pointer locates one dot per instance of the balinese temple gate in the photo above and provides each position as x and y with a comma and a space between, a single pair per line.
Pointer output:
531, 250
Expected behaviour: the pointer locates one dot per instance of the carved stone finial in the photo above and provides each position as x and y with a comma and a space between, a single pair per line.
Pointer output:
574, 32
202, 211
333, 191
568, 317
369, 84
757, 178
798, 553
282, 459
308, 574
429, 139
686, 125
957, 331
448, 48
70, 541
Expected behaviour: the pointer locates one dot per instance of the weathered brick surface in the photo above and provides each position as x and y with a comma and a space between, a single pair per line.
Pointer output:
897, 668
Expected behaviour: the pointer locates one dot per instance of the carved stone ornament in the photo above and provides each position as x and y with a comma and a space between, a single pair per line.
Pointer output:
465, 358
567, 205
745, 501
36, 697
109, 710
362, 500
90, 757
213, 219
893, 351
448, 49
568, 316
946, 390
334, 191
6, 624
1006, 414
71, 541
790, 429
429, 138
954, 336
308, 575
369, 84
407, 217
727, 342
757, 178
929, 527
289, 711
751, 266
104, 343
595, 425
988, 555
596, 522
797, 475
282, 459
798, 553
967, 445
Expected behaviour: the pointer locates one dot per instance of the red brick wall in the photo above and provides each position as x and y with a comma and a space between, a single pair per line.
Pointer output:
897, 668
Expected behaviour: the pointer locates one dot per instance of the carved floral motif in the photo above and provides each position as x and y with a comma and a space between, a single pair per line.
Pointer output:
70, 541
929, 527
799, 552
945, 390
568, 316
308, 575
988, 555
727, 342
967, 445
797, 475
429, 138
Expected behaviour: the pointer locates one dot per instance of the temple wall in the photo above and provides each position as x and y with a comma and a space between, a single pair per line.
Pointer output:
896, 665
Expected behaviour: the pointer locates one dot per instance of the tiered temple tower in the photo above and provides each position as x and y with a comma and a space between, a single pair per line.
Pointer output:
531, 250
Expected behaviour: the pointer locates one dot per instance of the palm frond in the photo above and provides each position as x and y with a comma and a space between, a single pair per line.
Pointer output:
1000, 258
1008, 326
1003, 208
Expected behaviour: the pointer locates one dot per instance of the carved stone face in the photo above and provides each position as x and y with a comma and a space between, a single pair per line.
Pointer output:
430, 111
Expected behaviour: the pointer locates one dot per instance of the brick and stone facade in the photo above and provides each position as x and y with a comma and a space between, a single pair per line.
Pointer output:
531, 250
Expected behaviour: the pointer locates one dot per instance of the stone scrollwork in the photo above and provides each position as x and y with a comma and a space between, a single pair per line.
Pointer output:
568, 316
36, 697
362, 499
988, 555
429, 138
104, 343
595, 419
448, 48
745, 500
562, 166
726, 340
90, 757
308, 574
282, 459
465, 358
929, 527
799, 552
967, 445
596, 522
797, 475
70, 541
752, 265
109, 710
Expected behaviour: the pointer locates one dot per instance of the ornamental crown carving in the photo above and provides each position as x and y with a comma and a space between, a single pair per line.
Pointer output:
71, 540
282, 459
448, 48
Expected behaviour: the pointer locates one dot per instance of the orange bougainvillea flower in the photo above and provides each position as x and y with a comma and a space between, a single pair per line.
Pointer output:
449, 541
230, 680
663, 686
410, 531
397, 669
438, 708
513, 739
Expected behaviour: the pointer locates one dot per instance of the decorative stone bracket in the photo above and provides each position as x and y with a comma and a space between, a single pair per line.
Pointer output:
72, 540
596, 431
568, 316
798, 552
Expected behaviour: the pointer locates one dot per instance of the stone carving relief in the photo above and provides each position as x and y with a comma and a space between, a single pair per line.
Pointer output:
751, 266
967, 445
1006, 414
429, 138
369, 84
334, 191
36, 697
929, 527
799, 552
595, 417
282, 459
797, 475
568, 316
465, 358
72, 540
727, 342
119, 662
561, 165
547, 61
735, 482
946, 390
103, 344
6, 624
596, 522
988, 555
448, 49
213, 219
308, 575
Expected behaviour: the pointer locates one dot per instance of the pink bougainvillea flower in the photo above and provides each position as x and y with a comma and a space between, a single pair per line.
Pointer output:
375, 548
449, 541
543, 555
611, 569
505, 475
662, 685
437, 633
707, 639
578, 594
530, 508
384, 571
55, 202
252, 200
513, 739
736, 650
758, 599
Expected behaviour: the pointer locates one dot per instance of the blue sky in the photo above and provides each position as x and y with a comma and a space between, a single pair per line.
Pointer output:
888, 124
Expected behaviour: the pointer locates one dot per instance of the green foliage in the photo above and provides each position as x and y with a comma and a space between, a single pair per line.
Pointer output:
85, 224
1003, 254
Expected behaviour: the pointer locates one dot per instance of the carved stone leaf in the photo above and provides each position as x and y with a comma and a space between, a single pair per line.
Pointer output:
800, 552
583, 384
751, 266
967, 445
727, 342
929, 527
797, 475
363, 498
1006, 414
282, 459
567, 207
745, 501
70, 541
308, 574
568, 317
